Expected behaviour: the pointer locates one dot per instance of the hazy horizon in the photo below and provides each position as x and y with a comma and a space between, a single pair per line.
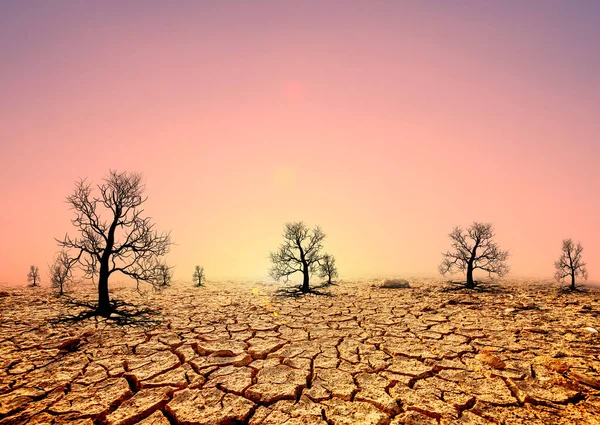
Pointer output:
386, 124
121, 281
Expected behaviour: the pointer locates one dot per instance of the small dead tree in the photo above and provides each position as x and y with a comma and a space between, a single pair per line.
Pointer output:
198, 276
61, 272
570, 264
299, 253
163, 275
327, 268
33, 277
114, 236
474, 248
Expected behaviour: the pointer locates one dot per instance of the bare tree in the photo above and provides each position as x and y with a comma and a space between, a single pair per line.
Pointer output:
300, 252
33, 277
61, 272
163, 275
473, 248
125, 241
327, 268
570, 264
198, 276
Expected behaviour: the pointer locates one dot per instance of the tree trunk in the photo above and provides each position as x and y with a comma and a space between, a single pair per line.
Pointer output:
103, 308
572, 281
305, 287
470, 281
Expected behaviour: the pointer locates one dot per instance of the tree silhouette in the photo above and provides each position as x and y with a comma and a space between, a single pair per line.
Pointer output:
163, 275
61, 272
198, 276
124, 242
570, 264
299, 253
473, 248
33, 277
327, 268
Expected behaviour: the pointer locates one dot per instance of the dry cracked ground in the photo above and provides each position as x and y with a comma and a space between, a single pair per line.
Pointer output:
233, 353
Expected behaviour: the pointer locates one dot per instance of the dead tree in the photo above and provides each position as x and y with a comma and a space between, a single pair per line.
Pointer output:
33, 277
198, 276
163, 275
299, 253
473, 248
61, 272
570, 264
114, 236
327, 268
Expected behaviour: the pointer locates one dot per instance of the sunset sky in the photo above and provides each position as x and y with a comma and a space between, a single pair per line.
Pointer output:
385, 122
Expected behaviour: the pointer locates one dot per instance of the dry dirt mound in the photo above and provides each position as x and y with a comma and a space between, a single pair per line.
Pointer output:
228, 354
395, 283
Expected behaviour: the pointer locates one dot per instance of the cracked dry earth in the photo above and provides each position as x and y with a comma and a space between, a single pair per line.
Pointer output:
231, 354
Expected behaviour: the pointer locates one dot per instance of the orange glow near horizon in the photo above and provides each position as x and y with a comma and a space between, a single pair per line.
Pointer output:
386, 124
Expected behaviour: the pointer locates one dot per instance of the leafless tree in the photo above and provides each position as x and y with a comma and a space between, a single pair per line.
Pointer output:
327, 268
300, 252
198, 276
33, 277
163, 275
473, 248
61, 272
120, 240
570, 264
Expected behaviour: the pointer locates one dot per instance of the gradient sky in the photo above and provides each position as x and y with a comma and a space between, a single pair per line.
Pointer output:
386, 122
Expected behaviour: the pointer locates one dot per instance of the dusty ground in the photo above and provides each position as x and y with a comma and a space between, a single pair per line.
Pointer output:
228, 354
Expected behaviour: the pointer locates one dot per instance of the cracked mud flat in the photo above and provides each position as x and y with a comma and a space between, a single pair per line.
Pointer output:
228, 354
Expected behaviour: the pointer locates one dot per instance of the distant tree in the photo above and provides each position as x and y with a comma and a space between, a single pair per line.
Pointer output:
33, 277
198, 276
300, 252
61, 272
163, 275
473, 248
570, 264
327, 268
125, 241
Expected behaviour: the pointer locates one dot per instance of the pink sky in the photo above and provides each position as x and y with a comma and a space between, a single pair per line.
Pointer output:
387, 123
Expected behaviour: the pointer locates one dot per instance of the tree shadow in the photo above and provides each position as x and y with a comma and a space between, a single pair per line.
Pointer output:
480, 287
580, 289
296, 292
122, 313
